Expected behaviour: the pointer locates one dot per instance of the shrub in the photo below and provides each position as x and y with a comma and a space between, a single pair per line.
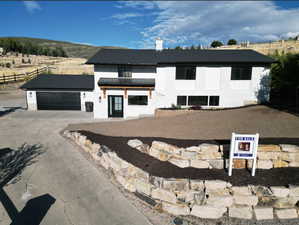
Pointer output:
8, 65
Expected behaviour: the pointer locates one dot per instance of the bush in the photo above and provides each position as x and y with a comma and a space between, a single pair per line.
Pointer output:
8, 65
195, 107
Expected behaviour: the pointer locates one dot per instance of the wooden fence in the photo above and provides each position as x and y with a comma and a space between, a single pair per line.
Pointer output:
4, 79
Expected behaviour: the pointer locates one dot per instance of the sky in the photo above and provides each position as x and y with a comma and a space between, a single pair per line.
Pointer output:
136, 24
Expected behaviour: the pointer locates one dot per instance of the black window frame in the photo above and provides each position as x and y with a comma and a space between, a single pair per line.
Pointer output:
139, 102
124, 71
217, 97
198, 96
185, 72
241, 72
184, 97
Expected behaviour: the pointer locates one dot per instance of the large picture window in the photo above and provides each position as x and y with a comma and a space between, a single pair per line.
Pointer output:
198, 100
124, 71
137, 100
182, 100
242, 72
185, 72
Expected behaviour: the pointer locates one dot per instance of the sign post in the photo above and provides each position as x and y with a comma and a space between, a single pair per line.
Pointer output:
243, 146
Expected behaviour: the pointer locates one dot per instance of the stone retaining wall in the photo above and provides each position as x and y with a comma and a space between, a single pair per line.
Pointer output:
210, 199
211, 156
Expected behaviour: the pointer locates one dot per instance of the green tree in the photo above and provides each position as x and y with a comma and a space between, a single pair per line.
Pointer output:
232, 42
216, 44
178, 48
192, 47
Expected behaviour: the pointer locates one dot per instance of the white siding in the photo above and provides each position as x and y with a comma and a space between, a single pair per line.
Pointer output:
31, 100
210, 81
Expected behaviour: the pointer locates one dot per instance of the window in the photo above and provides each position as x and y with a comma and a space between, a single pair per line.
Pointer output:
241, 73
137, 100
214, 101
198, 100
124, 71
181, 100
185, 73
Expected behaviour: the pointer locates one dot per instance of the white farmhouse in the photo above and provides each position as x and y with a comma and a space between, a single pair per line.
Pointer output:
132, 83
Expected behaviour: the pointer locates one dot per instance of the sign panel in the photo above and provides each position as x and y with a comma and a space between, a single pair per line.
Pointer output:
243, 146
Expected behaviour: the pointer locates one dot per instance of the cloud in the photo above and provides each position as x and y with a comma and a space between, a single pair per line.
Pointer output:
32, 6
200, 22
122, 16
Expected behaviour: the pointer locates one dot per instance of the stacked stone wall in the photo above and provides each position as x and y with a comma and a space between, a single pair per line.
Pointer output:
210, 199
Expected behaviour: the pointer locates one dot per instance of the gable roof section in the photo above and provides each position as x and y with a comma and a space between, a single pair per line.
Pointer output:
60, 82
153, 57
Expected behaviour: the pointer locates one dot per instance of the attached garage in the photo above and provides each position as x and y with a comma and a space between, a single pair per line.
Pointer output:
59, 92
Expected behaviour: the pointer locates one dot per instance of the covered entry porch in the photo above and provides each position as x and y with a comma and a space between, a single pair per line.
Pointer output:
126, 97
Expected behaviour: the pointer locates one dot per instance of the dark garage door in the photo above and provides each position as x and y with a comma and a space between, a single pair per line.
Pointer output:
58, 100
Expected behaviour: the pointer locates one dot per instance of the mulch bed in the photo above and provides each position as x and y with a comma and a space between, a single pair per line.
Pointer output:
155, 167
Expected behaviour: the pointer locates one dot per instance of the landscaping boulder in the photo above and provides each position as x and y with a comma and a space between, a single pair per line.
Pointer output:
186, 154
280, 163
220, 200
176, 185
263, 213
216, 184
294, 190
142, 187
159, 154
248, 200
208, 212
162, 146
216, 163
164, 195
241, 212
289, 148
182, 163
286, 213
134, 143
200, 164
197, 185
264, 164
280, 192
268, 148
176, 209
241, 190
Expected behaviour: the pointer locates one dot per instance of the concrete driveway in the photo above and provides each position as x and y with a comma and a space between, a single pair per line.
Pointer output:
83, 195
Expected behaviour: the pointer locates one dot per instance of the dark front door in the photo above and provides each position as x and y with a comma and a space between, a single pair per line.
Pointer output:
58, 100
115, 106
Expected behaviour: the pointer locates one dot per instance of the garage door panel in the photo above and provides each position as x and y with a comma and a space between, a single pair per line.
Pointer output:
58, 101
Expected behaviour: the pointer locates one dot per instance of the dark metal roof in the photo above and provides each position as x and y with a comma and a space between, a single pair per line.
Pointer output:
62, 82
126, 82
153, 57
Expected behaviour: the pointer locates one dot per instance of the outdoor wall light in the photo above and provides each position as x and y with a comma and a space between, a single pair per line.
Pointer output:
100, 99
83, 94
30, 94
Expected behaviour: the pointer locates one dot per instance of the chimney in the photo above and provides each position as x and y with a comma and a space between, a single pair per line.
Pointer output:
159, 44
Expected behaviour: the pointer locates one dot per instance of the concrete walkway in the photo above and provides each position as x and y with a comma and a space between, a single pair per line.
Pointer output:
82, 194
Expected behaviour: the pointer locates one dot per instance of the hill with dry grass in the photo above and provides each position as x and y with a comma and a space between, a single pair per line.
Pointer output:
74, 50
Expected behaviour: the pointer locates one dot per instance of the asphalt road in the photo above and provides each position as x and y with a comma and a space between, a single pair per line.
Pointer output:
62, 183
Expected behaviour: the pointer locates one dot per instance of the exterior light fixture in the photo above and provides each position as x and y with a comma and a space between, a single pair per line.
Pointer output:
100, 99
30, 94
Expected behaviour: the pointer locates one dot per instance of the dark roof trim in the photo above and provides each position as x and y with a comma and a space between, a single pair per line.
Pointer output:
60, 82
126, 82
153, 57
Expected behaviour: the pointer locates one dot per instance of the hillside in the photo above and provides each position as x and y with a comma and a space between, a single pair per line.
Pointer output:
268, 48
72, 49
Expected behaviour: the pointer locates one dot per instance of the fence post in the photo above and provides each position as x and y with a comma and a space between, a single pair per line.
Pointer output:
14, 75
3, 79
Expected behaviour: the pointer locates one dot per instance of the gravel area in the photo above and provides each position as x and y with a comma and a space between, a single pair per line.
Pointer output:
204, 125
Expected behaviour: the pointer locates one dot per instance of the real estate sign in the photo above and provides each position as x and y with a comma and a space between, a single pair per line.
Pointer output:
243, 146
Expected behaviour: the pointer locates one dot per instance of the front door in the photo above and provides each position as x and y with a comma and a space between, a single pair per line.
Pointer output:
115, 106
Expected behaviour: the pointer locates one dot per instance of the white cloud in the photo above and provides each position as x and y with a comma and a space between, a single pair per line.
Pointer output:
199, 22
122, 16
32, 6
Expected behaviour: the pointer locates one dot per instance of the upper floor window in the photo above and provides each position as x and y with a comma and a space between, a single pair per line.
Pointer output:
124, 71
185, 73
241, 72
